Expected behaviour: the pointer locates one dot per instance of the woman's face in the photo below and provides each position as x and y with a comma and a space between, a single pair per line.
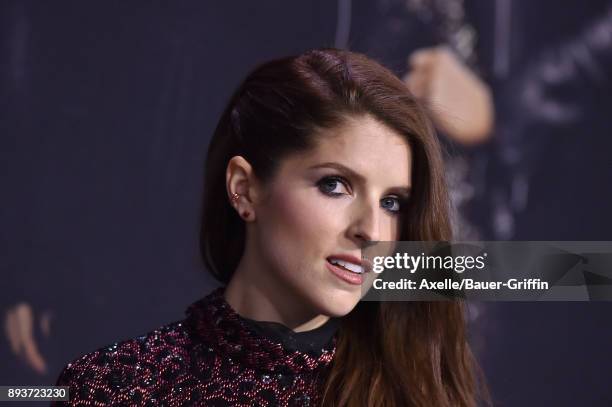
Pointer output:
325, 204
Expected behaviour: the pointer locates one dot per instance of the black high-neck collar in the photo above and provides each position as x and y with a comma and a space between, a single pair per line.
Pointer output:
312, 341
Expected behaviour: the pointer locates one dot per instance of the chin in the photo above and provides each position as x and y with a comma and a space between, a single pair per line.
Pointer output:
339, 303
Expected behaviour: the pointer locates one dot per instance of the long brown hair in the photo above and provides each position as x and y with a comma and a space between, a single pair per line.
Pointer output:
388, 353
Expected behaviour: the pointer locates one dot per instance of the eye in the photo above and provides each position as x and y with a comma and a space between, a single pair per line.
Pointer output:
392, 204
333, 186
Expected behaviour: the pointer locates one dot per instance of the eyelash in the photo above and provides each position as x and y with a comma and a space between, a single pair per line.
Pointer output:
334, 178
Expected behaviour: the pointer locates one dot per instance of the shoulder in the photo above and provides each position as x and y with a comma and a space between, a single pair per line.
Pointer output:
127, 372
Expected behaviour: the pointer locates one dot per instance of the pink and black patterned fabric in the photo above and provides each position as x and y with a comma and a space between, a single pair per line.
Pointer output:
214, 357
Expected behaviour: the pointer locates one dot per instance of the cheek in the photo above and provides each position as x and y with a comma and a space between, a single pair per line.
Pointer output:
300, 218
300, 227
392, 228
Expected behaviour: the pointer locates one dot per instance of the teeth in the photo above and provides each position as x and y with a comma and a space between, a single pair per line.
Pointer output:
355, 268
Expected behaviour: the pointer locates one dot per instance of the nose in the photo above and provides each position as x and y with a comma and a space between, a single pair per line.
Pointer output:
365, 225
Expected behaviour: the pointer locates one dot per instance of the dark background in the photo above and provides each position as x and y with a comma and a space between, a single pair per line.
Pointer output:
106, 112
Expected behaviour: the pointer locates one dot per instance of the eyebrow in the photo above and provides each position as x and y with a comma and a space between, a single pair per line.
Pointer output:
352, 173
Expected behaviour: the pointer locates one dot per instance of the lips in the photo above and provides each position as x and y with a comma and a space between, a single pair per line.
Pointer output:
350, 263
344, 274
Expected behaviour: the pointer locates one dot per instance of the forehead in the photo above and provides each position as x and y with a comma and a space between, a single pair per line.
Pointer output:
367, 146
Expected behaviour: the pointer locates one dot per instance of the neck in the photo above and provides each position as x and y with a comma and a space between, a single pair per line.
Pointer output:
254, 293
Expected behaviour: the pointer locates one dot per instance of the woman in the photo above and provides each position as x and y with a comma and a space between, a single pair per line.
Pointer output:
315, 157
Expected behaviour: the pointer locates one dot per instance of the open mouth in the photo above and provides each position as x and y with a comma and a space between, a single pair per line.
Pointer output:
346, 265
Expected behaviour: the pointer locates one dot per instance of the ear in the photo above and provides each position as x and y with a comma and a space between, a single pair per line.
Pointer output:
242, 187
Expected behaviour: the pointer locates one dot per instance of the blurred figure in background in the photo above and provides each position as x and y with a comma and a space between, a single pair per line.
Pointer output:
546, 176
528, 103
549, 163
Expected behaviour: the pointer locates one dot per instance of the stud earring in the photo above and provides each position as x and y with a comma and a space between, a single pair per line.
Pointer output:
234, 199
